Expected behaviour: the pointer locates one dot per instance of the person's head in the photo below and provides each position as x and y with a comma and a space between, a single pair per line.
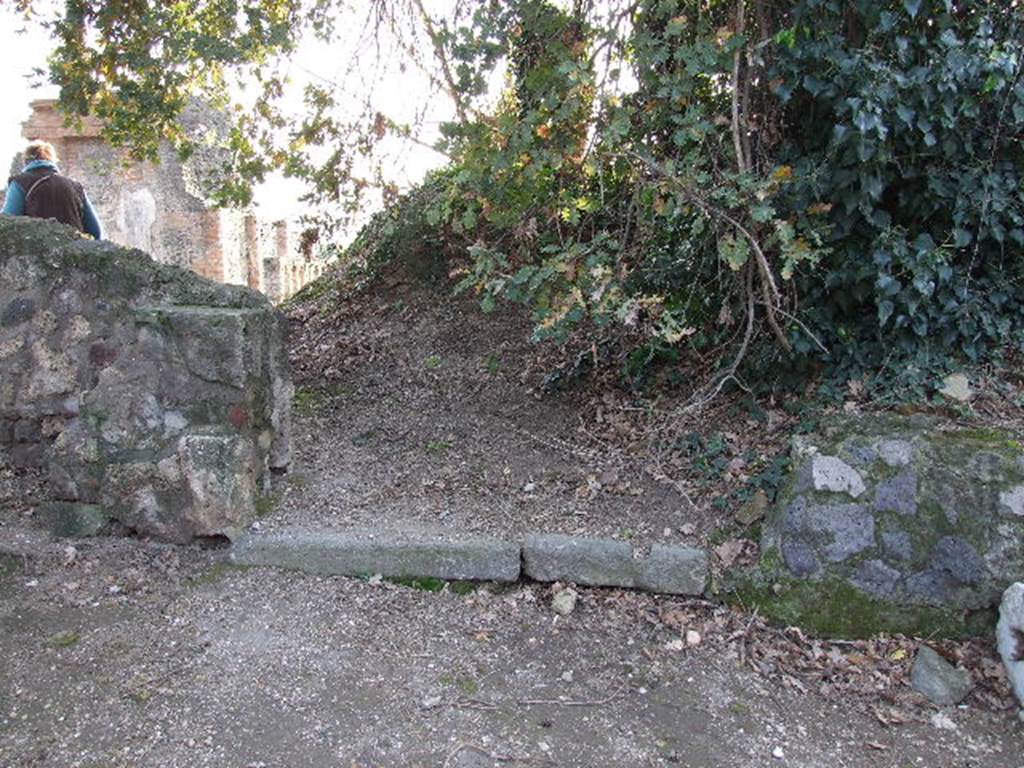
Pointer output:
38, 149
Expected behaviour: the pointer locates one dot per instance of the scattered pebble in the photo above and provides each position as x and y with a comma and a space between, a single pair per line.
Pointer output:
693, 638
564, 602
943, 722
778, 754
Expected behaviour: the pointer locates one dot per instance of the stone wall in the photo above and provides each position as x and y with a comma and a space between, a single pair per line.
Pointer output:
896, 523
161, 208
155, 397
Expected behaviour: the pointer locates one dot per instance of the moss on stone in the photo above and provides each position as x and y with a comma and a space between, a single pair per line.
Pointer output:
834, 608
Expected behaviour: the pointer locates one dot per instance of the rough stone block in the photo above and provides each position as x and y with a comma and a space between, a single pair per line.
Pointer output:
27, 431
610, 563
393, 556
597, 562
937, 533
166, 397
830, 473
898, 494
939, 680
28, 455
1010, 637
675, 570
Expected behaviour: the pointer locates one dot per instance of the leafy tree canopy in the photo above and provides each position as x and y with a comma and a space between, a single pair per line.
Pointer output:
834, 181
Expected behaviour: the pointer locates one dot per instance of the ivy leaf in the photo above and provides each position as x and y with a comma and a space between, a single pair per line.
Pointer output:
885, 310
733, 251
912, 6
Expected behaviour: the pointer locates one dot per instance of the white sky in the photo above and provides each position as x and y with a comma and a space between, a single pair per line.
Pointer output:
398, 95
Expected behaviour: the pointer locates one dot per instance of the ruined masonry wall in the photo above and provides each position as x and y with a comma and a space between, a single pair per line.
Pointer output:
154, 397
159, 208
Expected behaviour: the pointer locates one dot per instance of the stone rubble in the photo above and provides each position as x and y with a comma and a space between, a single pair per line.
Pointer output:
937, 679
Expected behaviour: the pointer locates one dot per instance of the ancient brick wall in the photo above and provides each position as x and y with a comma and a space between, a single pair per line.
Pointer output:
160, 208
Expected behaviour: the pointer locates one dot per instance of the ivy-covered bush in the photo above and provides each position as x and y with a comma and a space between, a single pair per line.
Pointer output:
831, 183
907, 120
862, 193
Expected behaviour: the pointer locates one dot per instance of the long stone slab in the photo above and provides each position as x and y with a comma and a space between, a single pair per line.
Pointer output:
393, 556
610, 563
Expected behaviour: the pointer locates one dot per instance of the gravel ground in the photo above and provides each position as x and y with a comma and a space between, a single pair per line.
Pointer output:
127, 653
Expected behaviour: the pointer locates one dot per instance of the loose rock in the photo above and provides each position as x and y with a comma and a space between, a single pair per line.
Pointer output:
1010, 637
564, 602
957, 387
939, 680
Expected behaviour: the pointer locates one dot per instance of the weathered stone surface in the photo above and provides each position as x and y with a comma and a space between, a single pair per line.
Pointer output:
939, 680
157, 395
876, 577
843, 529
898, 545
1010, 637
393, 556
895, 453
674, 570
800, 558
597, 562
939, 523
830, 473
1012, 500
74, 521
898, 494
610, 563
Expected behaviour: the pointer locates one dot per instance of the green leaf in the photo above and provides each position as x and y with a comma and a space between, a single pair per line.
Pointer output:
733, 251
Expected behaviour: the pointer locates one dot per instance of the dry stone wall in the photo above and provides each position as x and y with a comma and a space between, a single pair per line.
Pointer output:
156, 398
895, 523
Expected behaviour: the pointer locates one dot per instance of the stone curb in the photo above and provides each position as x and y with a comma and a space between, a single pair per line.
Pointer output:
543, 557
610, 563
346, 554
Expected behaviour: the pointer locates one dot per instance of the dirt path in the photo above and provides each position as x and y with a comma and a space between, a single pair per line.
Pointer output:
417, 410
133, 654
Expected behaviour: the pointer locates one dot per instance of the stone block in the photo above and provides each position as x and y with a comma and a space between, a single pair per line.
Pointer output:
28, 455
221, 474
27, 431
163, 394
936, 534
830, 473
610, 563
392, 556
596, 562
898, 494
17, 311
895, 453
674, 570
